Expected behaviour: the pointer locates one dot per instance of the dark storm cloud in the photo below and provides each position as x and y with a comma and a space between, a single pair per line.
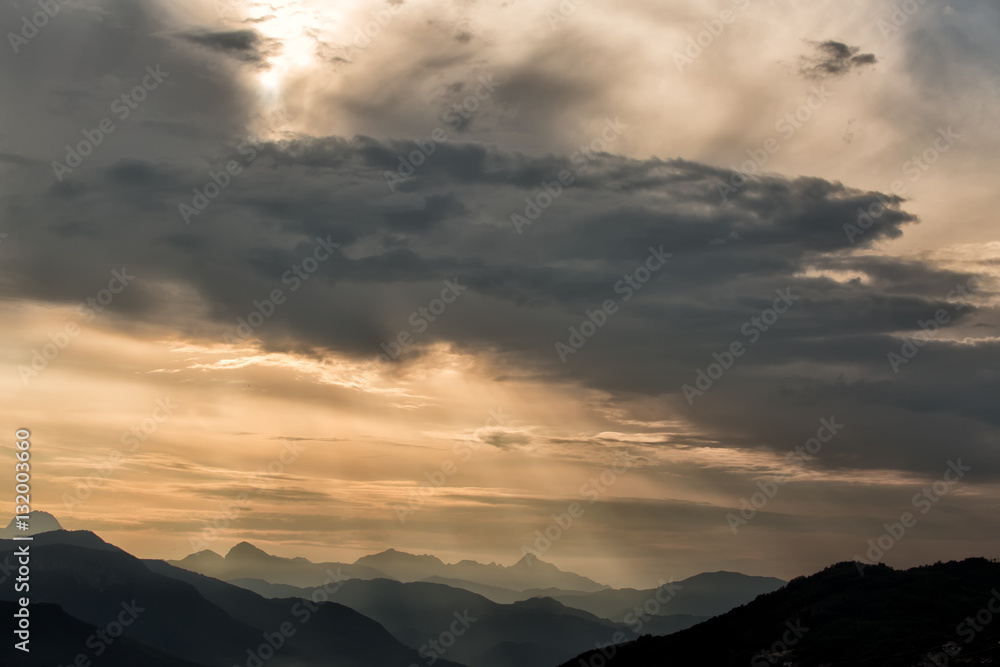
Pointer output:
451, 220
826, 355
833, 59
247, 45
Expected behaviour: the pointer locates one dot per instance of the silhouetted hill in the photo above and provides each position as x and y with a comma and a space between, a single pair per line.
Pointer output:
79, 538
703, 595
205, 562
507, 654
668, 624
402, 566
267, 589
57, 639
524, 574
338, 628
211, 623
93, 584
886, 618
416, 612
495, 593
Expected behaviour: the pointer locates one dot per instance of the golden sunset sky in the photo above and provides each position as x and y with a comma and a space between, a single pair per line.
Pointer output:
313, 105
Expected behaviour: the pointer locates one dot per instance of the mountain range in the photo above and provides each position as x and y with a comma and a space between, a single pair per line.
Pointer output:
247, 561
705, 594
93, 603
542, 630
180, 621
529, 627
186, 614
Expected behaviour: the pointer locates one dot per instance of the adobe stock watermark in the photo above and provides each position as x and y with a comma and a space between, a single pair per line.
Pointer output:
564, 10
99, 641
132, 438
60, 340
30, 25
434, 649
752, 329
294, 277
714, 28
380, 19
580, 159
786, 126
627, 286
438, 477
592, 490
930, 327
967, 629
302, 610
456, 117
923, 501
898, 17
915, 168
220, 180
122, 107
797, 457
652, 606
420, 320
775, 654
636, 620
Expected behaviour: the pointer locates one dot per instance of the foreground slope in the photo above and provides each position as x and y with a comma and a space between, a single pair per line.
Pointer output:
58, 639
705, 595
885, 617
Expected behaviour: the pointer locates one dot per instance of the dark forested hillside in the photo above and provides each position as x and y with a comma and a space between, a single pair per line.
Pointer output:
843, 616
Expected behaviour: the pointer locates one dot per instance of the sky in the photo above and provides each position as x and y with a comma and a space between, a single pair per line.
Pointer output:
644, 289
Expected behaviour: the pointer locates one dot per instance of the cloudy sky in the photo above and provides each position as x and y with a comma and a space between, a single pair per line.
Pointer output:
221, 221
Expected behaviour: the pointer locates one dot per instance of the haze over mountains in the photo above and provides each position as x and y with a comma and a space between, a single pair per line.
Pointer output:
200, 621
529, 613
92, 600
246, 560
705, 594
212, 610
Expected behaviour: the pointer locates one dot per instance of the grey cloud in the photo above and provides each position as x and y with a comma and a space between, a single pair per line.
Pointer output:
834, 59
246, 45
525, 291
452, 219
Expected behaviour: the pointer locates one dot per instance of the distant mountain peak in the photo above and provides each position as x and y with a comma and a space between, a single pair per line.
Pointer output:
530, 563
205, 555
469, 561
38, 522
397, 556
246, 550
